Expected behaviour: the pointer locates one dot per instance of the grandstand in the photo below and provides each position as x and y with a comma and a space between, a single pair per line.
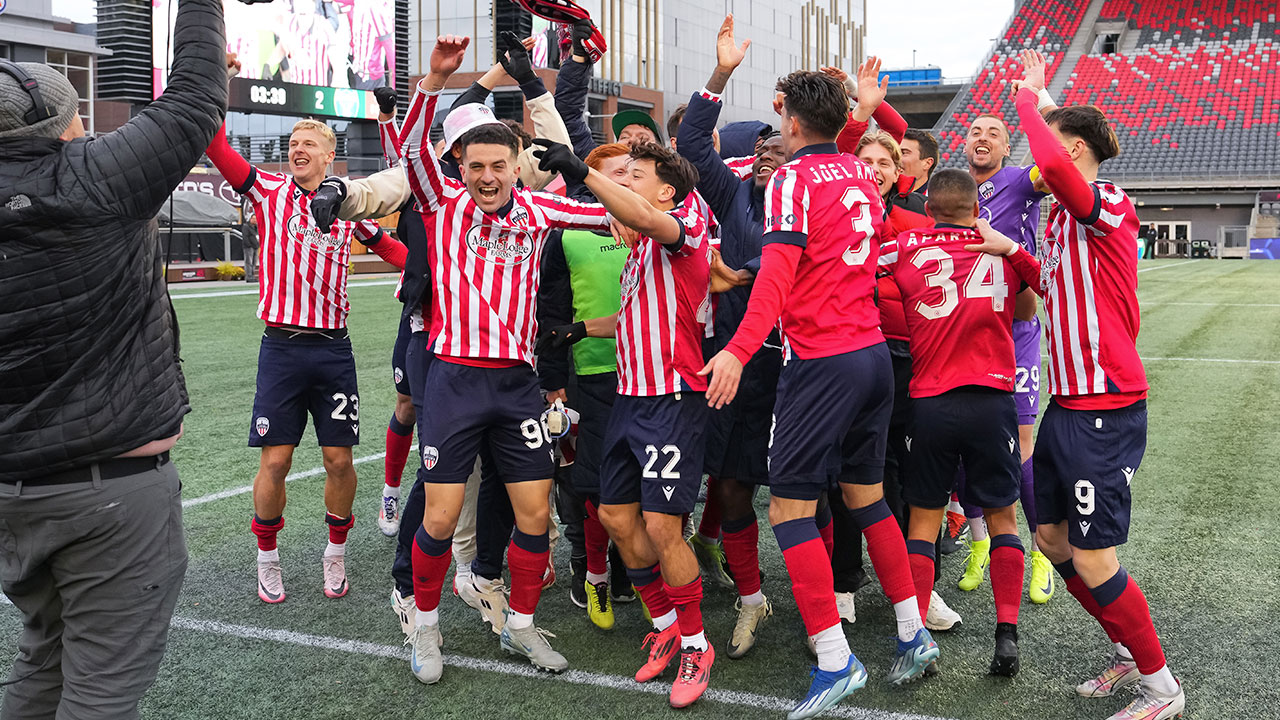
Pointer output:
1191, 87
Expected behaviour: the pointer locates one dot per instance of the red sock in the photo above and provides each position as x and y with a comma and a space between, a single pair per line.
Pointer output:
709, 525
1132, 617
1008, 564
742, 552
527, 560
888, 550
920, 553
828, 534
810, 571
339, 527
597, 540
399, 443
688, 602
266, 531
648, 582
431, 558
1081, 593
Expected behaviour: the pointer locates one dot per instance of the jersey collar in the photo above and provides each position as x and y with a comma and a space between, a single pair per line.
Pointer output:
828, 148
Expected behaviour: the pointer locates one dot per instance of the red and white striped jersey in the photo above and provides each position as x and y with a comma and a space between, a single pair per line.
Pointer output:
665, 305
1089, 275
389, 134
485, 267
303, 268
371, 22
741, 166
309, 53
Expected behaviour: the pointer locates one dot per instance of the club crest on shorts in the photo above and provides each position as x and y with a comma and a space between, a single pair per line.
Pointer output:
430, 456
398, 374
262, 425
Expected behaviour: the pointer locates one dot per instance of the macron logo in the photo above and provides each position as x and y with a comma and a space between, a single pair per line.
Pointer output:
908, 443
1012, 442
1084, 527
1128, 475
668, 490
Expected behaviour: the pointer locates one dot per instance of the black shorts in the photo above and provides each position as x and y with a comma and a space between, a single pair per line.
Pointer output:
653, 449
831, 421
1084, 461
738, 433
466, 405
976, 426
301, 375
399, 371
592, 396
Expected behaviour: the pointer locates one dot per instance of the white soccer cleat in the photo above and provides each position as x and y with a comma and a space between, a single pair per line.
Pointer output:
1151, 706
389, 516
425, 659
270, 581
845, 608
1119, 673
335, 576
405, 610
940, 616
487, 596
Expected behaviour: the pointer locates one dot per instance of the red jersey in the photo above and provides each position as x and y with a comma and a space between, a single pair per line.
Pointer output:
817, 279
893, 320
741, 166
485, 267
665, 304
959, 307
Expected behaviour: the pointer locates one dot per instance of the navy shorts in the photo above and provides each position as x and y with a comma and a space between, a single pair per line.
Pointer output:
653, 451
399, 368
1084, 461
738, 433
592, 396
976, 426
464, 405
306, 374
831, 421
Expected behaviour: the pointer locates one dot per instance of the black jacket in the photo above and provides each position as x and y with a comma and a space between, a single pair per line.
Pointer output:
88, 343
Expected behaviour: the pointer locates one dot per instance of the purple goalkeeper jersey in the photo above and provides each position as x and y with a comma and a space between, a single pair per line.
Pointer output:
1010, 202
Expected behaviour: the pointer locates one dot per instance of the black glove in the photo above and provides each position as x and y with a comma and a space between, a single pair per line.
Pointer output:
386, 97
560, 336
326, 201
514, 58
582, 31
554, 157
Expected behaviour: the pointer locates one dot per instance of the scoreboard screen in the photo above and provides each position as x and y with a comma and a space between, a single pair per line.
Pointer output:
294, 99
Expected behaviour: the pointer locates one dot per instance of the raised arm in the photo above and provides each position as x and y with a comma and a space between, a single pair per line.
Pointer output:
233, 167
716, 181
868, 92
388, 133
1060, 173
571, 91
546, 121
426, 181
135, 168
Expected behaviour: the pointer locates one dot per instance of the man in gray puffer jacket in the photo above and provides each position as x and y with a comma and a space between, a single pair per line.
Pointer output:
91, 393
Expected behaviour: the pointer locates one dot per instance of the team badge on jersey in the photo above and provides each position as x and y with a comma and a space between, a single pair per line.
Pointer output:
986, 189
262, 425
430, 456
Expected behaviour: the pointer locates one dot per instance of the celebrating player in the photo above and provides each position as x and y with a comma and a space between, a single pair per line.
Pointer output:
817, 280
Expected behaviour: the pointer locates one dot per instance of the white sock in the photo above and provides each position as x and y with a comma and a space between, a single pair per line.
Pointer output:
833, 649
426, 617
955, 507
978, 527
269, 555
518, 621
697, 642
1161, 682
597, 578
1123, 652
388, 491
665, 621
335, 550
755, 598
1035, 546
908, 614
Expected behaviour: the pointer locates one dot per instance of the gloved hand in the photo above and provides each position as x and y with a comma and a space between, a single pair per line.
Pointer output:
556, 158
327, 200
582, 30
514, 58
560, 336
386, 97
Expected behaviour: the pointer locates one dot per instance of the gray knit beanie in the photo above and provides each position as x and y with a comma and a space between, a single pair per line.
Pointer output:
56, 92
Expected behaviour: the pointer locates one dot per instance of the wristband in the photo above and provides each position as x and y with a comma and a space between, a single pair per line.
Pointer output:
1044, 100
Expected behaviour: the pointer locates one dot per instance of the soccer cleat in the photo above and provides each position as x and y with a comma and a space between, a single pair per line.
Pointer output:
270, 581
975, 570
940, 616
914, 658
405, 610
693, 676
829, 688
425, 659
1150, 706
663, 645
1119, 673
957, 531
711, 561
335, 576
389, 516
623, 593
1005, 661
599, 607
577, 594
1042, 583
549, 577
531, 642
845, 608
487, 596
745, 629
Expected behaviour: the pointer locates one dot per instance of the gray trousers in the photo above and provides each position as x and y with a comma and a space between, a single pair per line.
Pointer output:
95, 570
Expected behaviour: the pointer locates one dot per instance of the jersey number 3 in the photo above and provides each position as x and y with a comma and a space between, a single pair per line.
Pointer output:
986, 279
854, 199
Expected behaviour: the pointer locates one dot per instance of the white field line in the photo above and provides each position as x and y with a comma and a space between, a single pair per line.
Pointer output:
1209, 304
221, 494
573, 677
1211, 360
254, 291
1165, 267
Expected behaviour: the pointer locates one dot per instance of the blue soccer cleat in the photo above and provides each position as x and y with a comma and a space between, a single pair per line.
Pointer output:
914, 658
829, 688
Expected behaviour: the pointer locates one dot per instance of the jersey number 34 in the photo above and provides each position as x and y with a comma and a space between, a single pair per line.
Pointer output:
985, 280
